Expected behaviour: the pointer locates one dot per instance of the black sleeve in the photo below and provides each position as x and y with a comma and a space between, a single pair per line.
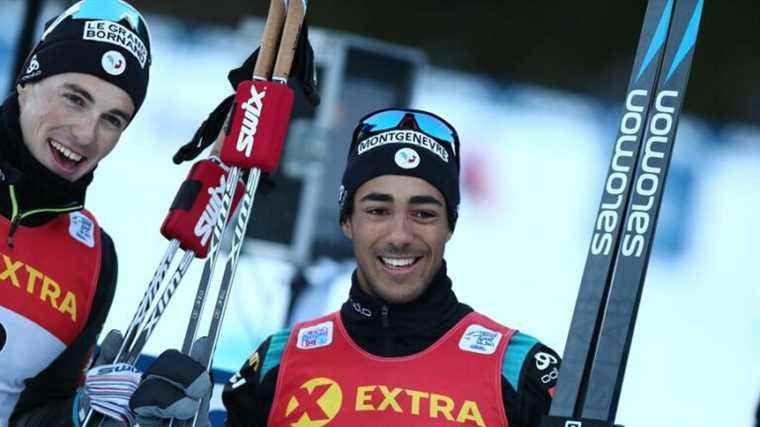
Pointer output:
533, 397
247, 396
47, 398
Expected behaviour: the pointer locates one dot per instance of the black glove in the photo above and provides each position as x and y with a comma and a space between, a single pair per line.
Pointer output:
172, 387
303, 81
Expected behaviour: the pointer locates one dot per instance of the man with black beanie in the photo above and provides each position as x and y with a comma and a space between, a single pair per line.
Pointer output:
79, 89
402, 350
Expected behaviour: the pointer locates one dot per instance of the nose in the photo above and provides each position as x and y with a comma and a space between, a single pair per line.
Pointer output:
85, 130
401, 233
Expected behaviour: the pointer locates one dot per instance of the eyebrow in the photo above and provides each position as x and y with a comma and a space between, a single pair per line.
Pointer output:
86, 95
377, 197
424, 200
80, 90
414, 200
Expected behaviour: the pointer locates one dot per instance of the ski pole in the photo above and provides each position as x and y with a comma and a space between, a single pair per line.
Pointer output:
265, 154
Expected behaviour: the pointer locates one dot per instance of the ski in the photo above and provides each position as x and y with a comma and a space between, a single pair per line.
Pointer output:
641, 216
599, 339
597, 272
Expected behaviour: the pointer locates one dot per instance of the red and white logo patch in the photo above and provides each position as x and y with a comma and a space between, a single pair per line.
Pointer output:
82, 229
406, 158
113, 63
316, 336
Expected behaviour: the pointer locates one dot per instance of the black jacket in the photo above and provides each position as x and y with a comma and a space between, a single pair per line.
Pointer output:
47, 398
396, 330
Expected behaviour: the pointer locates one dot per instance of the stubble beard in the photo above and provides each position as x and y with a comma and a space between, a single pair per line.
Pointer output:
387, 294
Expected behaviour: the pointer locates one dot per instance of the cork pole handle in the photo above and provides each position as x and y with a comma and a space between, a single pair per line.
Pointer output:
295, 16
270, 39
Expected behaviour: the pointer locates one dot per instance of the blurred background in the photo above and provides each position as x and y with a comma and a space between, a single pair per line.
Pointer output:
536, 92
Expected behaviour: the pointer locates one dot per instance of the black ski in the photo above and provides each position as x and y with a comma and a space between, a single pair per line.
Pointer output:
605, 313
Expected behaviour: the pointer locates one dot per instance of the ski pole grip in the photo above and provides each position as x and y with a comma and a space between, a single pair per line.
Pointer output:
270, 39
289, 40
193, 214
554, 421
259, 125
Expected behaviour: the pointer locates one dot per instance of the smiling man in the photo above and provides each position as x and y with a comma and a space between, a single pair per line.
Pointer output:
402, 350
80, 88
71, 121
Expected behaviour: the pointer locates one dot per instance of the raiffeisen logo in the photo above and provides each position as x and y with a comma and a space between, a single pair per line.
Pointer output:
315, 403
617, 181
661, 129
252, 108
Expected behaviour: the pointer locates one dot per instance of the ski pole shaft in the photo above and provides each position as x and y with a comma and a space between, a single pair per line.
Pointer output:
210, 264
130, 354
144, 306
147, 299
294, 18
276, 19
228, 278
163, 302
230, 268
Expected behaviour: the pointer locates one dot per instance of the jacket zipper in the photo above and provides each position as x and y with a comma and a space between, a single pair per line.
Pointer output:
386, 330
17, 216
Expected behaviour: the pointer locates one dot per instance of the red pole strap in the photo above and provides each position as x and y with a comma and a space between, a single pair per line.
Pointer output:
193, 213
259, 125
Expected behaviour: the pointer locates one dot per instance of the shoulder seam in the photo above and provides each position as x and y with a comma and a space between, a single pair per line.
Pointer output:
277, 344
514, 358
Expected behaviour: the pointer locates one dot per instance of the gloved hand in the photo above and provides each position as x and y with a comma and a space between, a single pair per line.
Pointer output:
107, 386
174, 386
303, 80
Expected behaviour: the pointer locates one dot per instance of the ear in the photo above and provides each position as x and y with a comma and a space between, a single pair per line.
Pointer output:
346, 227
449, 235
22, 91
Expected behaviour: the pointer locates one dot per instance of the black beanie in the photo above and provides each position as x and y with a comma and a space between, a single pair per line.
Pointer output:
104, 38
418, 144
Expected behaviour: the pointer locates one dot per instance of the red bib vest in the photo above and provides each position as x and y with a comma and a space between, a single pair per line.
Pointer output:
325, 379
47, 284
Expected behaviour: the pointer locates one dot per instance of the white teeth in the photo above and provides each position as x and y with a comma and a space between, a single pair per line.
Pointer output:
66, 152
396, 262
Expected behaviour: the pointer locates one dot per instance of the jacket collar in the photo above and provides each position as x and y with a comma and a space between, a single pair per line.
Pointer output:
430, 315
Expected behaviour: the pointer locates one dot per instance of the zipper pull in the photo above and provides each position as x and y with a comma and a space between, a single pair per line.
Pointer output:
384, 316
12, 230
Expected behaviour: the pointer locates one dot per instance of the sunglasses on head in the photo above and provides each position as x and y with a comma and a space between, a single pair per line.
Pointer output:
427, 123
107, 10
